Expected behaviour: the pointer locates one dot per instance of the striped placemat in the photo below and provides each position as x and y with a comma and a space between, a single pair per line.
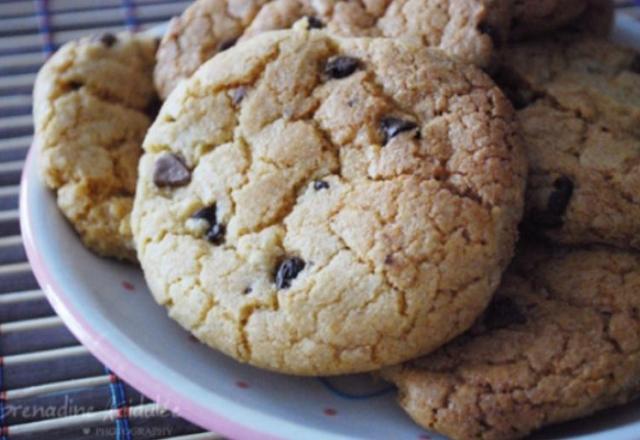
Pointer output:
50, 386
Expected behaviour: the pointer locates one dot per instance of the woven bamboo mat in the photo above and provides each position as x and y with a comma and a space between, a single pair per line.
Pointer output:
50, 386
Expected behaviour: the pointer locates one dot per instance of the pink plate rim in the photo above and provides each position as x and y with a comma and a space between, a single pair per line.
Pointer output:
106, 352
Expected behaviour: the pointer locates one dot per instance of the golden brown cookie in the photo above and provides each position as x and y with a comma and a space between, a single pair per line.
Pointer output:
467, 30
90, 110
560, 340
317, 205
579, 111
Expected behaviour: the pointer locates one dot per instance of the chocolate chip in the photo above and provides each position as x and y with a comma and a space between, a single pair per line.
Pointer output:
561, 196
341, 66
207, 213
247, 290
287, 270
108, 39
391, 127
388, 259
75, 85
171, 171
503, 312
492, 32
226, 44
320, 184
314, 22
635, 64
238, 95
216, 233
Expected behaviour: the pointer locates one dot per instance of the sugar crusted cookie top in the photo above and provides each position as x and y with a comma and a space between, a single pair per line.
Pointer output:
315, 205
91, 100
560, 340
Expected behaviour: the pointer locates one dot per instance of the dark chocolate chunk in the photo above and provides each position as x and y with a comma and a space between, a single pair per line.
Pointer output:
75, 85
391, 127
561, 196
314, 22
503, 312
341, 66
226, 44
320, 184
635, 64
207, 213
287, 270
108, 39
171, 171
216, 231
492, 32
238, 95
215, 234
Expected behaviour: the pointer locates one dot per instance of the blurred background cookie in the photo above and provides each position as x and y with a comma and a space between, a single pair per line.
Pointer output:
92, 104
560, 340
470, 31
579, 107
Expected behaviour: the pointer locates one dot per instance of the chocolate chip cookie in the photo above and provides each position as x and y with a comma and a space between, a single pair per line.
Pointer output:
317, 205
466, 30
579, 110
91, 101
560, 340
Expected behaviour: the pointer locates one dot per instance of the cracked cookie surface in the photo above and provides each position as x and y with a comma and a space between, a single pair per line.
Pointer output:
560, 340
579, 100
334, 205
470, 30
90, 104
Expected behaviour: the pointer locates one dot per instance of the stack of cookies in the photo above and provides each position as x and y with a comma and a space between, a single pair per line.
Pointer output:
336, 187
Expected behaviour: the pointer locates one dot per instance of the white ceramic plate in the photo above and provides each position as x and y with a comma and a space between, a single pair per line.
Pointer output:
109, 309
